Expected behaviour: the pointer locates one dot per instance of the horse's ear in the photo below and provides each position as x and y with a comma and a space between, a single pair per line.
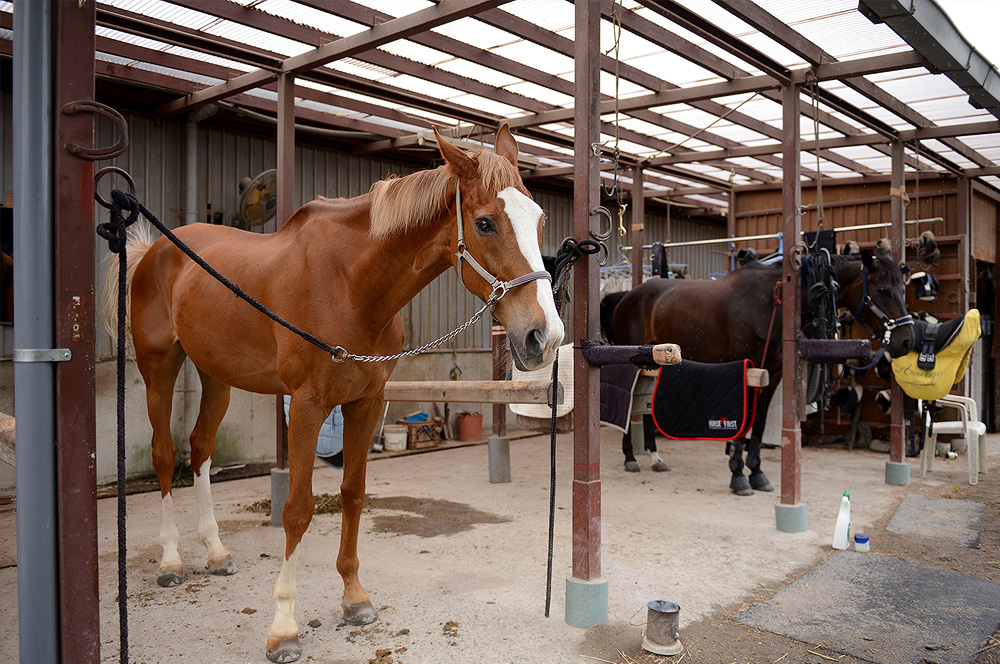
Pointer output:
867, 259
506, 146
462, 164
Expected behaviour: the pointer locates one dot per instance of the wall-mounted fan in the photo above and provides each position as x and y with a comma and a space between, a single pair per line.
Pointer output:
258, 199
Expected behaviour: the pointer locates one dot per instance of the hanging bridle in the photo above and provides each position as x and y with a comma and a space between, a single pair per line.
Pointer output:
499, 287
889, 324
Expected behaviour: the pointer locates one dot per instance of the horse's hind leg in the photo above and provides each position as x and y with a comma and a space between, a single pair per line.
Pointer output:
739, 484
758, 480
214, 403
159, 368
360, 419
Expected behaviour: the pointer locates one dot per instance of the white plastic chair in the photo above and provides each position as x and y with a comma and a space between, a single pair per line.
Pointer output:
968, 426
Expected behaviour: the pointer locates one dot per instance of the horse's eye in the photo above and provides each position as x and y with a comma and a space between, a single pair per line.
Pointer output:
883, 291
485, 225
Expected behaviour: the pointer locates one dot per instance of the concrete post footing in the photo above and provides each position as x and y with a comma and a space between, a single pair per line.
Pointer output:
499, 451
279, 494
897, 474
586, 602
790, 518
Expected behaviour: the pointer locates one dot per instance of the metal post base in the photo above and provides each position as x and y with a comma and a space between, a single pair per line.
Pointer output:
279, 494
790, 518
586, 602
897, 474
499, 449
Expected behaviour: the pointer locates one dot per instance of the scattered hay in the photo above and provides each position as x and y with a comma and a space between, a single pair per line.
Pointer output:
326, 503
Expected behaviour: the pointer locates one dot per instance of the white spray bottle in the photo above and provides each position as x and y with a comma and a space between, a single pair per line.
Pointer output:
842, 532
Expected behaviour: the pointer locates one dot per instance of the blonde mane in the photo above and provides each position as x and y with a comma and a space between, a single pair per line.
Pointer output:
399, 204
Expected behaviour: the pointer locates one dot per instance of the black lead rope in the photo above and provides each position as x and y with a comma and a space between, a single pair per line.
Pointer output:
116, 233
569, 253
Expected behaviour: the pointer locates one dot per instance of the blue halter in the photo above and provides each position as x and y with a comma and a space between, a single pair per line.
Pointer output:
889, 324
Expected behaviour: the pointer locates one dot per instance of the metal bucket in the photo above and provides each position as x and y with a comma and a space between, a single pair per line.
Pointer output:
662, 623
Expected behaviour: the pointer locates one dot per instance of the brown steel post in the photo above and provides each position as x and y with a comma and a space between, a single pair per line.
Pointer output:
74, 301
966, 268
638, 224
790, 513
498, 337
285, 207
584, 588
897, 209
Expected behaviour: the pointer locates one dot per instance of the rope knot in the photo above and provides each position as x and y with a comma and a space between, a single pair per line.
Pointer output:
115, 231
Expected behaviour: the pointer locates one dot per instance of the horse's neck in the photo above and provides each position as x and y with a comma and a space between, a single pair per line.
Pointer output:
383, 275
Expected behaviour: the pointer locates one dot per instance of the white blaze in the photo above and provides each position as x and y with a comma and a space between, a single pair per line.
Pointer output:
525, 215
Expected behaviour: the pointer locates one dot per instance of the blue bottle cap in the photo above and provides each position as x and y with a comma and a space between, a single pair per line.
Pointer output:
861, 539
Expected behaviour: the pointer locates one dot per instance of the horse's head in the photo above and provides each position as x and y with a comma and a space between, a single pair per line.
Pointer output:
877, 298
498, 237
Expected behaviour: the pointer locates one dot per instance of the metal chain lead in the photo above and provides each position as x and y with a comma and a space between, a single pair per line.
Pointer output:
415, 351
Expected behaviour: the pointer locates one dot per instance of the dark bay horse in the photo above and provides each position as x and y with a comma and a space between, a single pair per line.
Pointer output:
728, 319
6, 288
342, 270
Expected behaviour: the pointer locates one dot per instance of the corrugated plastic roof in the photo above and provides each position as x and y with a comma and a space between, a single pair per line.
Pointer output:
511, 59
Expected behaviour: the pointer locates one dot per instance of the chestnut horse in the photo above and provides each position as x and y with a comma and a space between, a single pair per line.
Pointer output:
6, 288
728, 319
341, 269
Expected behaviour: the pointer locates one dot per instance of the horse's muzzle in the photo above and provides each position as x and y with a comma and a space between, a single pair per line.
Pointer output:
901, 341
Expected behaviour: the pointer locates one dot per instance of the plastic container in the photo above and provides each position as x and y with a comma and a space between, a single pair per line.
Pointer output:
395, 437
842, 531
470, 426
861, 543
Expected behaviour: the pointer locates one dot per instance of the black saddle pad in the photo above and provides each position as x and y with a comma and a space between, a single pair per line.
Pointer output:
697, 401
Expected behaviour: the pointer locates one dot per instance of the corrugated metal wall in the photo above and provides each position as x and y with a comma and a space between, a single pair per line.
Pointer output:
156, 159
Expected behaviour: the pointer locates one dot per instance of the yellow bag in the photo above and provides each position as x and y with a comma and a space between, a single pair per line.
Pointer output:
949, 362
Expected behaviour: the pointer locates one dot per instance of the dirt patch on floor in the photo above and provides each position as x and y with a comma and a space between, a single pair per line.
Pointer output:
428, 517
720, 640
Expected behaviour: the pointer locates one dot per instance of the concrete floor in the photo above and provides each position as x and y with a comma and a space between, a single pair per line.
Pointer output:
457, 564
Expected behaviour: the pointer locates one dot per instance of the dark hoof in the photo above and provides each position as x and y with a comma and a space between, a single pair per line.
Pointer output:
631, 467
169, 578
740, 485
660, 467
223, 567
361, 613
286, 651
760, 482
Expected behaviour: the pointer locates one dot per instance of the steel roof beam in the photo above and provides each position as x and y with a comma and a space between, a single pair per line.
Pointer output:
389, 31
791, 39
503, 20
921, 134
727, 88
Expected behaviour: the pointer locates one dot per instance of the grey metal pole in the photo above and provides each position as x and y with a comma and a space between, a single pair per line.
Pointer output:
34, 407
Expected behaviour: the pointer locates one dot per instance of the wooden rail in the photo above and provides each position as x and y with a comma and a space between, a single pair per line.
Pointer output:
472, 391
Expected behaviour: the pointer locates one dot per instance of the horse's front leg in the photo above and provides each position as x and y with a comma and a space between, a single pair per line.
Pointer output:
758, 480
738, 483
360, 419
305, 418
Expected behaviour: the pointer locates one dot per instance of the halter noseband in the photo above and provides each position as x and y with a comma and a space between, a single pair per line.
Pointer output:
499, 287
889, 324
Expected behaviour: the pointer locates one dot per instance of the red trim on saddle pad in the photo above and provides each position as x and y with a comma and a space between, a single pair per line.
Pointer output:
748, 409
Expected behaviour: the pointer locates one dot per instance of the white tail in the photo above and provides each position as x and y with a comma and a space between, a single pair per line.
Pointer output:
140, 239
